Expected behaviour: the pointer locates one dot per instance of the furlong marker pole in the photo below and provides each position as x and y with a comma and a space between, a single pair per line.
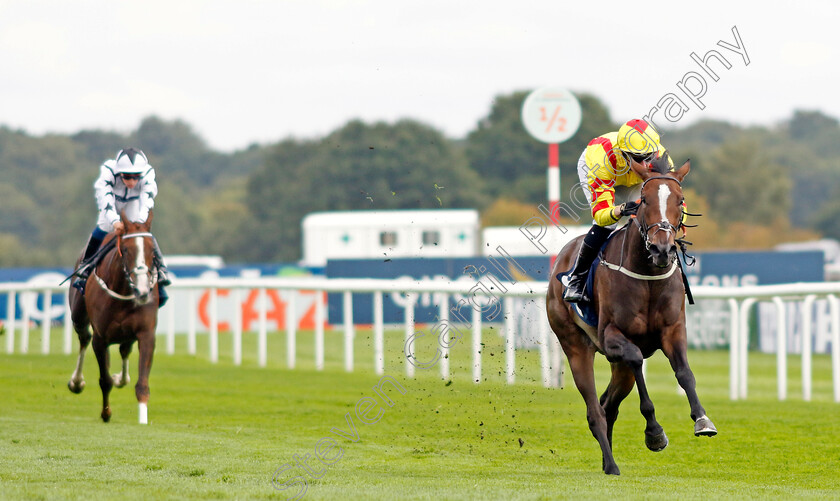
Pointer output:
554, 191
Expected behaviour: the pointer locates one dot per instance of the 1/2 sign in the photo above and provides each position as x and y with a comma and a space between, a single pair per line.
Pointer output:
551, 114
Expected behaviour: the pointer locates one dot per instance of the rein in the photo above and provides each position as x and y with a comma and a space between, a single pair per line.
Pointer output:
117, 295
644, 230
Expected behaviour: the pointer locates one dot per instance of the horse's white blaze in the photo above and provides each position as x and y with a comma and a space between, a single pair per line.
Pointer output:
664, 193
142, 281
143, 413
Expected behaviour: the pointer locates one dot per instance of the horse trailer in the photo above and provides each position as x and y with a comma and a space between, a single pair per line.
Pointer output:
389, 234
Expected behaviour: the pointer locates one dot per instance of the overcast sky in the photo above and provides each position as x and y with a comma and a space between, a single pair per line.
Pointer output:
259, 71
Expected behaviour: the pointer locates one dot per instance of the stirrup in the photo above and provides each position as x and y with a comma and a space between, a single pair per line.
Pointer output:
79, 284
163, 277
575, 291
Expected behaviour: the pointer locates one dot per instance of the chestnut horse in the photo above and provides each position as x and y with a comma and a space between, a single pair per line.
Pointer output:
639, 297
120, 304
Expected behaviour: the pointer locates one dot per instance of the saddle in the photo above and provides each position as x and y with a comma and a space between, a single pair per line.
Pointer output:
586, 309
93, 260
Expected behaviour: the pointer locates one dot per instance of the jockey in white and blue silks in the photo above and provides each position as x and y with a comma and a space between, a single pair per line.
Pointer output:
126, 182
113, 192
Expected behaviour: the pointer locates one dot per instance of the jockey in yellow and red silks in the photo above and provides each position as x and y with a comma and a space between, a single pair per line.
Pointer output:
609, 168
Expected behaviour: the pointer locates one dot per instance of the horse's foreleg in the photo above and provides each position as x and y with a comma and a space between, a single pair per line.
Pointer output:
619, 349
123, 378
674, 347
621, 384
581, 363
100, 348
146, 347
82, 327
77, 379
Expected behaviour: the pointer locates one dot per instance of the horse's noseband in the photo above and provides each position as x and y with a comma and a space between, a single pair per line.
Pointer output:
666, 226
141, 269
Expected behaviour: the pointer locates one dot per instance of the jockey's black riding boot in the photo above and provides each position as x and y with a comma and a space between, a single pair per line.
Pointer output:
93, 244
576, 288
163, 278
163, 297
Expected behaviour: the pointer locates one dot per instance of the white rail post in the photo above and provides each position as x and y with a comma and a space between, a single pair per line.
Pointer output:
557, 361
319, 330
444, 322
545, 355
510, 340
11, 313
214, 325
378, 334
545, 362
476, 345
409, 331
46, 322
170, 331
781, 348
349, 330
834, 308
262, 342
191, 313
237, 326
734, 344
743, 348
807, 315
24, 322
291, 329
68, 325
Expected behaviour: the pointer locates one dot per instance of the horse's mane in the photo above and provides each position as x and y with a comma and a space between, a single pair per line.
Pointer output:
661, 164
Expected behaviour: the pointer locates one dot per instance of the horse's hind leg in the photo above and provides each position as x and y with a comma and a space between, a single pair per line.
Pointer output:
146, 347
123, 378
581, 360
675, 350
618, 348
621, 384
81, 326
100, 348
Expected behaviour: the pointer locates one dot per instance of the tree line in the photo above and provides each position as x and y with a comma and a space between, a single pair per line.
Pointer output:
757, 185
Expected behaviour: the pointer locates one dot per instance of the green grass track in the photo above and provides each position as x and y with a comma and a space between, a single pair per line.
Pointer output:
219, 431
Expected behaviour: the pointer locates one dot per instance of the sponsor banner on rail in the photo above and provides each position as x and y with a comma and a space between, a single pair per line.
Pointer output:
483, 273
707, 321
31, 305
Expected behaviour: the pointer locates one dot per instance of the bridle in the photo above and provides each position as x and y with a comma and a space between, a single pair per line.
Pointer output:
644, 229
664, 225
130, 275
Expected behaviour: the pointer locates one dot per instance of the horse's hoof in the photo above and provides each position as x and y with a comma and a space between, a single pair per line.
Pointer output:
612, 470
703, 427
76, 387
657, 442
106, 415
119, 381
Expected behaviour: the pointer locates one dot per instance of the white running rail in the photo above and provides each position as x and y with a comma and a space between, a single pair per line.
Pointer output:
739, 299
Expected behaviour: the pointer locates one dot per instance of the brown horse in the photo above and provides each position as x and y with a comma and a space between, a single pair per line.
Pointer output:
639, 297
120, 304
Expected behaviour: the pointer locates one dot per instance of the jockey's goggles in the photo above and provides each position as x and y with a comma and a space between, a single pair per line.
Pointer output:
641, 157
132, 177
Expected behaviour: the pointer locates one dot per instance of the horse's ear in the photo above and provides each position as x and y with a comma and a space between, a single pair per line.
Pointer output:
122, 217
683, 171
642, 172
149, 219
